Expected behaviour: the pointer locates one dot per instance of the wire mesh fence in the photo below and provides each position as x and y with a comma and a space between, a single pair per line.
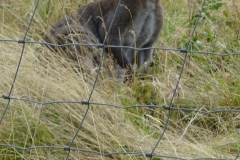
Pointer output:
169, 108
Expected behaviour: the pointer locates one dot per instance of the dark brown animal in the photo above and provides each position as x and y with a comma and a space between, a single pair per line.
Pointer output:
137, 24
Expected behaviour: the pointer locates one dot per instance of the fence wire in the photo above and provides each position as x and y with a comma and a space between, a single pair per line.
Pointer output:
87, 102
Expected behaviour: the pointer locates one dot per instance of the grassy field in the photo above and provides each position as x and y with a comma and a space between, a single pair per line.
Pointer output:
209, 82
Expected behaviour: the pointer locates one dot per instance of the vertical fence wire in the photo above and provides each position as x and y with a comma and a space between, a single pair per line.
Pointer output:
184, 51
19, 63
95, 82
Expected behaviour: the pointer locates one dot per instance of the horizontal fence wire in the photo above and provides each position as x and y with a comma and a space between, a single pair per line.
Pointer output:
182, 50
87, 102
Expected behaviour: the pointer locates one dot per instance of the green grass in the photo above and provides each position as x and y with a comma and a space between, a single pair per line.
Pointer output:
208, 83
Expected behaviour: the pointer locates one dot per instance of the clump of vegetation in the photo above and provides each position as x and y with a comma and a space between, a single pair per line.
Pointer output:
209, 82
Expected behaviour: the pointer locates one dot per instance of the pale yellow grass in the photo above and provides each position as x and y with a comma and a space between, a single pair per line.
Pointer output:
107, 129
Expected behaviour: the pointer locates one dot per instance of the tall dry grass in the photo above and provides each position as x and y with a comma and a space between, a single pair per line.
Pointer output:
208, 83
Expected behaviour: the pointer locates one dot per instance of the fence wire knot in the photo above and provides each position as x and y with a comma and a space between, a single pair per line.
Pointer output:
166, 107
5, 97
67, 148
100, 45
149, 155
183, 50
21, 41
85, 102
